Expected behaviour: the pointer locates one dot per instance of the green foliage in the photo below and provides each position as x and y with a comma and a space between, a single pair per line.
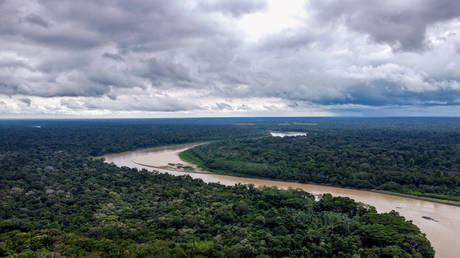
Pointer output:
98, 137
58, 201
422, 161
85, 207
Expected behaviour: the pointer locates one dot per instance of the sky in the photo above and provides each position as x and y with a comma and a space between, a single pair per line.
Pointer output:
212, 58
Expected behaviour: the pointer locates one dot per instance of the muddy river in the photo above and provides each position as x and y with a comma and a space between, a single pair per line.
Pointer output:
443, 229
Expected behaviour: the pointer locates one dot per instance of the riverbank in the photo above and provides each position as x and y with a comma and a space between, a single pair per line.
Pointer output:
448, 202
192, 160
442, 227
189, 157
170, 168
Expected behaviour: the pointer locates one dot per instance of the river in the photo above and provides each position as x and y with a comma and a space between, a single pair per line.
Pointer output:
443, 231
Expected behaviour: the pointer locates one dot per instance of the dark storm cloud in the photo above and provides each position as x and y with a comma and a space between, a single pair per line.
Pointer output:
402, 24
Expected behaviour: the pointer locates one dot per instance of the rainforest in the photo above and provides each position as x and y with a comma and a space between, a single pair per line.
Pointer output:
58, 200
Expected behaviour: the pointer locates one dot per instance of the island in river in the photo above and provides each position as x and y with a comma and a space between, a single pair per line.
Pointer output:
443, 229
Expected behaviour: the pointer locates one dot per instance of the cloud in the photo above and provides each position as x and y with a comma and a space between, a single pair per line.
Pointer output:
159, 71
401, 24
37, 20
115, 57
128, 103
235, 8
27, 101
223, 106
194, 57
289, 39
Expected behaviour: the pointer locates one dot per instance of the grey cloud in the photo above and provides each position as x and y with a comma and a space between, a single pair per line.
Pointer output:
131, 103
146, 26
223, 106
66, 38
13, 63
382, 93
37, 20
129, 55
115, 57
401, 24
244, 107
235, 8
136, 25
19, 25
113, 74
38, 84
27, 101
323, 79
289, 40
159, 71
378, 86
72, 104
271, 108
8, 88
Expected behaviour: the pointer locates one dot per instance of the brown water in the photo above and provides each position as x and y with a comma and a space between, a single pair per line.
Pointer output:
444, 233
